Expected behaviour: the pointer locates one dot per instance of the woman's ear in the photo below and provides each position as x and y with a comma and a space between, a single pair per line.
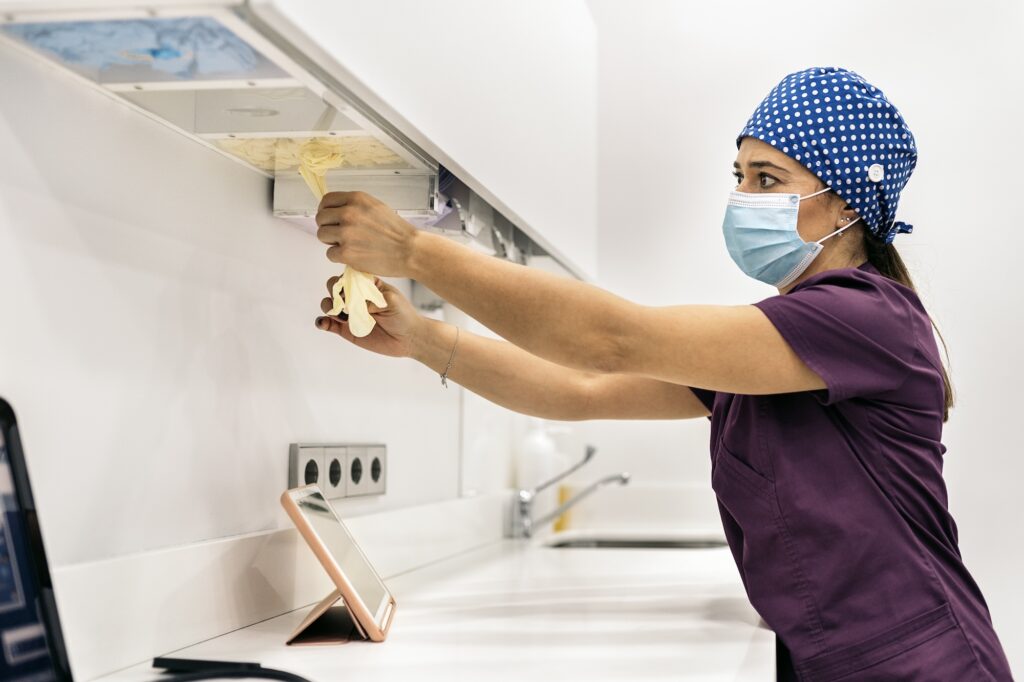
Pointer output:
846, 216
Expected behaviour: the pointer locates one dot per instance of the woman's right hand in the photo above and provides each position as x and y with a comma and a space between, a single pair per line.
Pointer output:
396, 325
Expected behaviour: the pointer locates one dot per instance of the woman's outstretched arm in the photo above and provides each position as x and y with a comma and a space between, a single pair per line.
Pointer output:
735, 349
511, 377
506, 374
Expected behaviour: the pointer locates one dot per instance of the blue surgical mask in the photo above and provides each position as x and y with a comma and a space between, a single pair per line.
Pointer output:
761, 235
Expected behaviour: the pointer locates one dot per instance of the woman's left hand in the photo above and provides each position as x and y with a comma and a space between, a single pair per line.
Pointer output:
365, 233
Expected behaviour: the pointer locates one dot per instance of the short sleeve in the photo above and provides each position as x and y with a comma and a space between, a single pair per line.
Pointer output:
705, 396
854, 330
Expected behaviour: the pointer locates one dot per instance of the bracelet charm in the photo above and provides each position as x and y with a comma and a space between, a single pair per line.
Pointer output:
444, 375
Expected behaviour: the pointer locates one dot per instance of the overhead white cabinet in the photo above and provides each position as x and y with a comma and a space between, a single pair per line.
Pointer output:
503, 93
493, 102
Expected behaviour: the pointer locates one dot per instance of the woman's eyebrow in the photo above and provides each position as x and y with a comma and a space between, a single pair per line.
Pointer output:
761, 164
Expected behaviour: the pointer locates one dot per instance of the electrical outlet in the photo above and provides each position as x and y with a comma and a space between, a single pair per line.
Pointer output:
340, 470
335, 480
377, 470
358, 471
305, 465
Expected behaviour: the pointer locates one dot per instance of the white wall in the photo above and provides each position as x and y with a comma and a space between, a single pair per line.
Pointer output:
157, 337
677, 81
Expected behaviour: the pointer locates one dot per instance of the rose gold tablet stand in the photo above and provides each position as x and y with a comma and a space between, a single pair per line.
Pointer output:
328, 624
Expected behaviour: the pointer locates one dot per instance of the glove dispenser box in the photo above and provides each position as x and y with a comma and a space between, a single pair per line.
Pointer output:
229, 80
235, 87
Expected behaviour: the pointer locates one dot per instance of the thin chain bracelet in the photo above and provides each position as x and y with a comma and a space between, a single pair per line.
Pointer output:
444, 376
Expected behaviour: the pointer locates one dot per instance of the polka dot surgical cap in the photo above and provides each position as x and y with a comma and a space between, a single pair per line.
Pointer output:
845, 131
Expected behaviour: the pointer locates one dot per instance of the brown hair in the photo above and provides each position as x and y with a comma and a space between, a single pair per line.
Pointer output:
888, 262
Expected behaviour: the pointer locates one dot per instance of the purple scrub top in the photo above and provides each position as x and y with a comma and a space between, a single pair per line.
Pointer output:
833, 501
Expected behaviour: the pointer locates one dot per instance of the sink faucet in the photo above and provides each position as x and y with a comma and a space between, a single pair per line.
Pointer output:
523, 522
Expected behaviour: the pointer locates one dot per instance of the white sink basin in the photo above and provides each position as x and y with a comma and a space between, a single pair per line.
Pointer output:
596, 538
638, 543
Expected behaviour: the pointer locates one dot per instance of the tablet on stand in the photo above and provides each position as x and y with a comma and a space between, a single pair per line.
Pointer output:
360, 606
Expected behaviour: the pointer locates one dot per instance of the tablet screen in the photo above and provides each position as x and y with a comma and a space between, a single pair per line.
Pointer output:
29, 629
350, 559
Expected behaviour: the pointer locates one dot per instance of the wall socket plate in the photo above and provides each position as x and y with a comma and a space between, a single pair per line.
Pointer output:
340, 469
377, 455
305, 465
358, 471
367, 470
335, 482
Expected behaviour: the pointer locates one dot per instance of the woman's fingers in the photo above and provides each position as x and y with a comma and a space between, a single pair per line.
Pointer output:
330, 324
339, 199
330, 283
334, 253
384, 287
327, 303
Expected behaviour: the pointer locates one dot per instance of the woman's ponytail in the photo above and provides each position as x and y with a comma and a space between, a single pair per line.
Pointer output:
888, 262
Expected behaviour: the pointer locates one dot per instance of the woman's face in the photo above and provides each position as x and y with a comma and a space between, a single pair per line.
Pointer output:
760, 167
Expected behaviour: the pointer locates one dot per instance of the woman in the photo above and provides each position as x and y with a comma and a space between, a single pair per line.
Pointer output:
826, 401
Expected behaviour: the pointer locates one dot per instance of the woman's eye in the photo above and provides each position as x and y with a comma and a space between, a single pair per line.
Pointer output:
766, 180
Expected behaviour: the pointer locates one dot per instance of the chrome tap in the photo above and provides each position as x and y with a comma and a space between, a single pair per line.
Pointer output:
522, 520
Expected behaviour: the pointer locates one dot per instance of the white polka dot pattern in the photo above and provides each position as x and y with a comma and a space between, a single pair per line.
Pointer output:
840, 127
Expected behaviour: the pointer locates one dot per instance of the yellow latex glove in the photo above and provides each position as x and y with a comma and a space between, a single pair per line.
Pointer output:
315, 159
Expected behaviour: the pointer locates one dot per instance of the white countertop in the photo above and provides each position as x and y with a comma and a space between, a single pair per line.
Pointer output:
514, 610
